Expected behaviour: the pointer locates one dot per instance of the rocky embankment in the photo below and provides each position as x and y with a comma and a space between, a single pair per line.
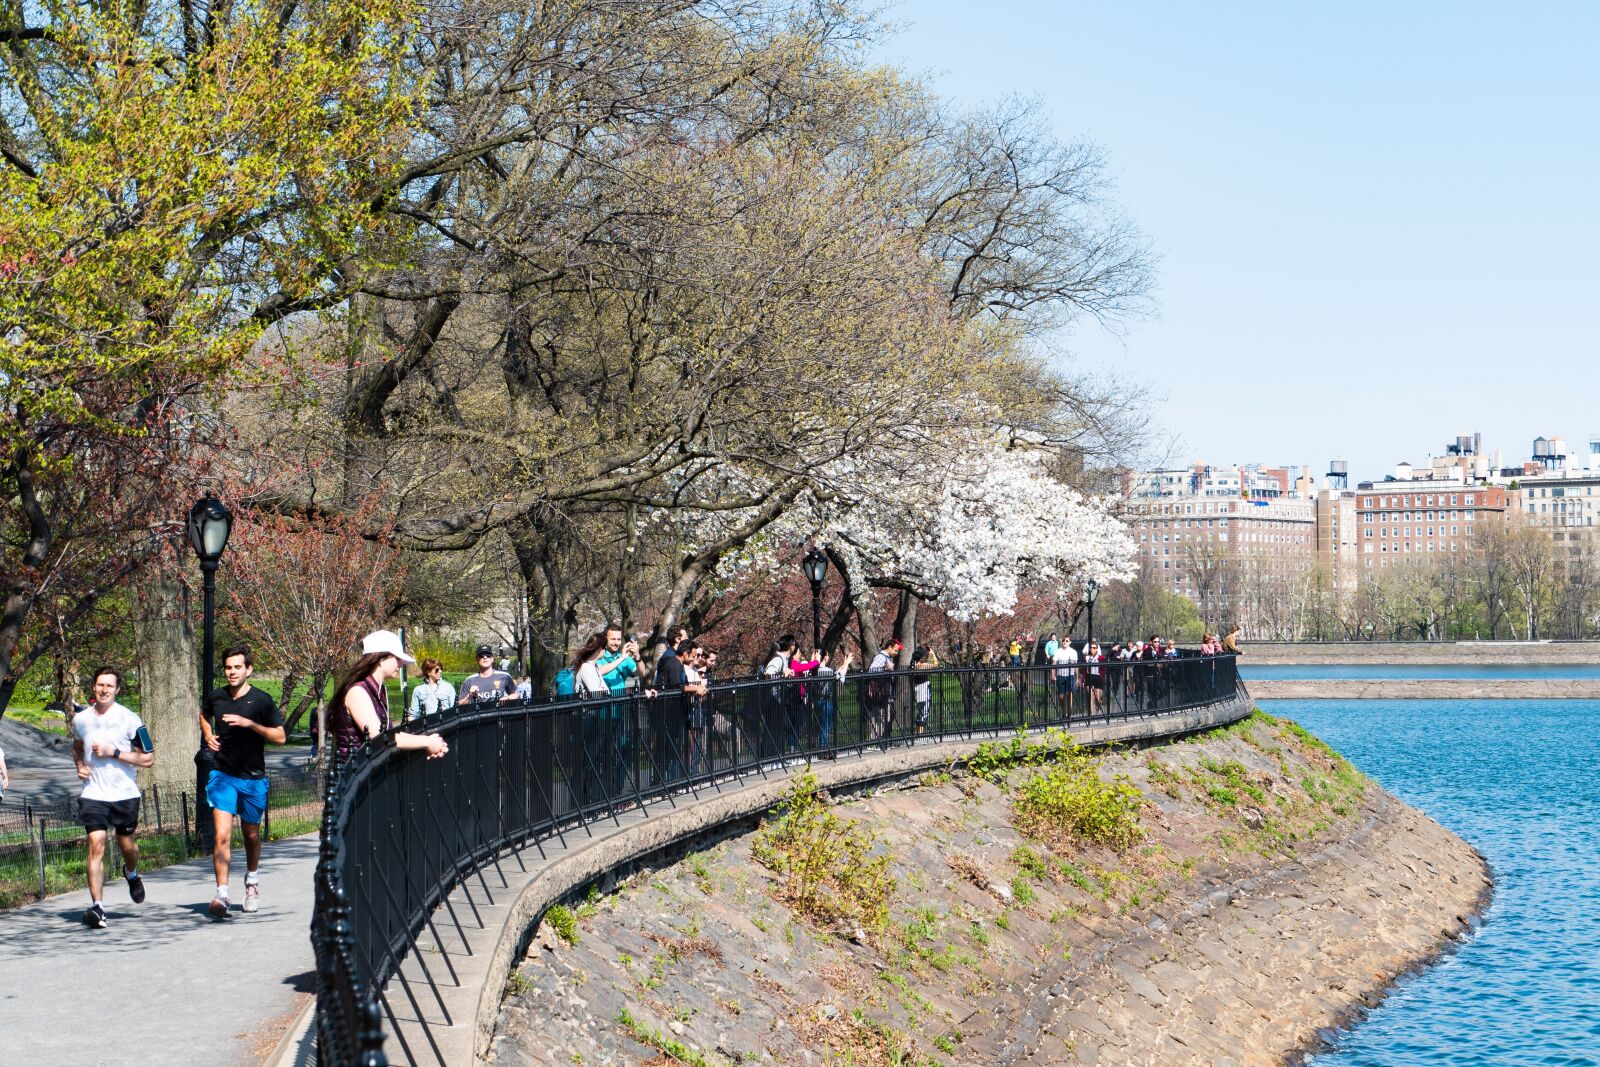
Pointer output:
1223, 900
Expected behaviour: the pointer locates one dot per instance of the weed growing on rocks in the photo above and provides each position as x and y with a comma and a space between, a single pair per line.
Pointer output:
828, 873
1069, 801
653, 1038
563, 922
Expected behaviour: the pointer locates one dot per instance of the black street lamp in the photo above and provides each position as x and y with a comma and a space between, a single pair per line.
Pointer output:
1091, 589
209, 524
815, 565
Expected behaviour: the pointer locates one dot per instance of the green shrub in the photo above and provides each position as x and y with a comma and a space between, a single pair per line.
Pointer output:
1069, 799
828, 872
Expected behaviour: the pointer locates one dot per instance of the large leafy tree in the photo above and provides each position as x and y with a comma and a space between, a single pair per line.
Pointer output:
173, 176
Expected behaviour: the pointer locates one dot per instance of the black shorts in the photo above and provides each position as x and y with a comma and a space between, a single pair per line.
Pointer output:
119, 815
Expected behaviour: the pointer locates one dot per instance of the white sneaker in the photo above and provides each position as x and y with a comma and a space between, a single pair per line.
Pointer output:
252, 897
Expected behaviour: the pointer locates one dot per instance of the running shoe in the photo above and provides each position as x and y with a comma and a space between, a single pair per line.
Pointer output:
95, 917
252, 898
135, 886
219, 907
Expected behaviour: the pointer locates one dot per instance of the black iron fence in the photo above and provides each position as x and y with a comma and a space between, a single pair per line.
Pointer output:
400, 833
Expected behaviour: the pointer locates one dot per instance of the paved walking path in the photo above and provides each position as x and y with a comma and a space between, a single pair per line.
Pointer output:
164, 983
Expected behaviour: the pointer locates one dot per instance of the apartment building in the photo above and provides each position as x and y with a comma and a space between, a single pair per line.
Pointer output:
1338, 551
1404, 521
1238, 541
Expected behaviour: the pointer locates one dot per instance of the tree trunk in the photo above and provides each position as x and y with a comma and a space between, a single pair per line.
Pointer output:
905, 628
169, 680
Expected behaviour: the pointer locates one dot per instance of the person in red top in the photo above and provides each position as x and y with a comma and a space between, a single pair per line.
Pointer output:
360, 706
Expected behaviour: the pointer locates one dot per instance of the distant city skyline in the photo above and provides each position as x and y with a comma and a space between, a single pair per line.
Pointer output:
1511, 455
1374, 221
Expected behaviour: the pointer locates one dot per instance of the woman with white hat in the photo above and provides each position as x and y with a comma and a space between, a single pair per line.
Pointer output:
360, 706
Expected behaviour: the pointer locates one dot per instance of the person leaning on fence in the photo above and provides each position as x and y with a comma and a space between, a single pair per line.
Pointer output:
1065, 659
602, 667
359, 709
693, 658
878, 693
109, 744
433, 695
830, 682
1095, 677
236, 722
679, 687
774, 733
1230, 640
923, 659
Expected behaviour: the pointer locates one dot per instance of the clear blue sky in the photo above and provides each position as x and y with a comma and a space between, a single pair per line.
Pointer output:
1377, 223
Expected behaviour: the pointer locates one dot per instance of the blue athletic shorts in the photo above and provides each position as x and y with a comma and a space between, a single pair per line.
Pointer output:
244, 797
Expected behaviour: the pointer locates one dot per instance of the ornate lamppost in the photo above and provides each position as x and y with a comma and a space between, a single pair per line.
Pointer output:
815, 566
1091, 589
209, 524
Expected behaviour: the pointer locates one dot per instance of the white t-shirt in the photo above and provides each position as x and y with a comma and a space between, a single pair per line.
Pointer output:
110, 779
1065, 658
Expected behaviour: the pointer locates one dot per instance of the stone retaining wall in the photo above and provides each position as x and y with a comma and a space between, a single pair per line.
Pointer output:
1424, 652
1425, 689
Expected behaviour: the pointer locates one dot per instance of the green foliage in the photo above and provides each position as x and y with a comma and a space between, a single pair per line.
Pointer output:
1069, 799
1030, 862
563, 922
1022, 892
827, 867
653, 1038
994, 758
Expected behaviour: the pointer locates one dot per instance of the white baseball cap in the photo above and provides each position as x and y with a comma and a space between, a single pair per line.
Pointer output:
385, 641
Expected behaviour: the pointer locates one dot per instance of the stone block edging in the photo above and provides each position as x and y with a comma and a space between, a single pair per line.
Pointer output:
1426, 688
661, 831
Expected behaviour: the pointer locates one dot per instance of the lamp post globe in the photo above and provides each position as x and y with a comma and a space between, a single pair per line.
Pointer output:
815, 566
209, 524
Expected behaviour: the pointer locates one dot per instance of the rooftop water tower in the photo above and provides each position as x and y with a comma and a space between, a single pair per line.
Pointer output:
1339, 472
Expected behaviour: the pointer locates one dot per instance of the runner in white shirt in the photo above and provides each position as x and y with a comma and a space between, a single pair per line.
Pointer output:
105, 750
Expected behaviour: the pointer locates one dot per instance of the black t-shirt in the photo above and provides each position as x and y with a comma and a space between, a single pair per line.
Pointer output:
669, 672
243, 751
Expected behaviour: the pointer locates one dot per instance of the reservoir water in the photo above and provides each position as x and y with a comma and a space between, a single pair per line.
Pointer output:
1520, 781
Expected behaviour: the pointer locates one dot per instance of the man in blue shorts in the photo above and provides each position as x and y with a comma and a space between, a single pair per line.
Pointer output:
237, 722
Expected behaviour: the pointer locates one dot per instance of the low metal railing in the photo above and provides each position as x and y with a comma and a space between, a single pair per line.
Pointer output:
401, 833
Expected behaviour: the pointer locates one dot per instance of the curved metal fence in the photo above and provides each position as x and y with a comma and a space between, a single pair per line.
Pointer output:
400, 833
